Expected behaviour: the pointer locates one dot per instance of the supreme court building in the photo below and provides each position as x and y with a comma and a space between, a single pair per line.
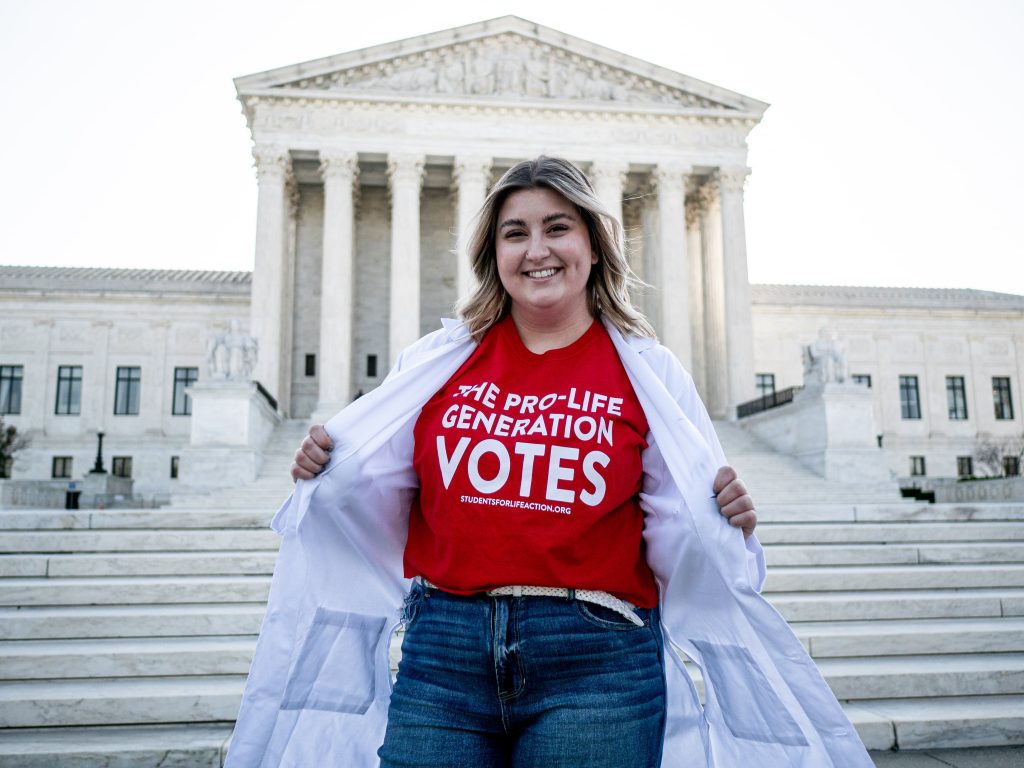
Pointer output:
370, 165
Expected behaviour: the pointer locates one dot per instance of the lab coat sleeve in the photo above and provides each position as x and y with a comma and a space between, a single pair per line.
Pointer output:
680, 385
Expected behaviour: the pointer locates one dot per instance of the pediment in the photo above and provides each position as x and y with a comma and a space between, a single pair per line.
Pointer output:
503, 60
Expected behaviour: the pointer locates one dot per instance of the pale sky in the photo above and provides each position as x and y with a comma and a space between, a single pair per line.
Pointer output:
891, 155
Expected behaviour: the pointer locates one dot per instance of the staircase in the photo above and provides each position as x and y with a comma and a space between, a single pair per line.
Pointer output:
125, 635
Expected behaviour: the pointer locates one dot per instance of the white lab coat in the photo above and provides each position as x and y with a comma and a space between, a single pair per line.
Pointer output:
319, 685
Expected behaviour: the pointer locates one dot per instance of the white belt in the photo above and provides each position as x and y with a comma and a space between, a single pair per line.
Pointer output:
597, 597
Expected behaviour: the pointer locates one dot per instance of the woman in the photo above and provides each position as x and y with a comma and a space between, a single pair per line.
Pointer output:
548, 475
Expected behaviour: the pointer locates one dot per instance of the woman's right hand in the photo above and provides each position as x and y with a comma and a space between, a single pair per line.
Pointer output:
313, 453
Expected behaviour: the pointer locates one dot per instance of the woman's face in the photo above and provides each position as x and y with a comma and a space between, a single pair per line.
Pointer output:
544, 255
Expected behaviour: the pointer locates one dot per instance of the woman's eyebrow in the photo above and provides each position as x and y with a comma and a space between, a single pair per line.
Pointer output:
546, 220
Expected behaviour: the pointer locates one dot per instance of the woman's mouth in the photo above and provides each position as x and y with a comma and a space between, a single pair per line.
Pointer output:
539, 274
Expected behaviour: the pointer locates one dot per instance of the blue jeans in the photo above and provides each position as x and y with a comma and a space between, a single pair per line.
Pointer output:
525, 682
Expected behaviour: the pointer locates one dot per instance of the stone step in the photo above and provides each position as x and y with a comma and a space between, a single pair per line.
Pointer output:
123, 621
137, 658
171, 746
887, 577
139, 540
139, 564
939, 722
127, 701
908, 511
165, 517
132, 591
978, 674
879, 554
770, 534
911, 637
899, 604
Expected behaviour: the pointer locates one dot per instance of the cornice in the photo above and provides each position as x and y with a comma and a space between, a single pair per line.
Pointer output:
878, 297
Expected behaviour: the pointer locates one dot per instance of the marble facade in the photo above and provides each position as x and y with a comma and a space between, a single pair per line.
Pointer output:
375, 161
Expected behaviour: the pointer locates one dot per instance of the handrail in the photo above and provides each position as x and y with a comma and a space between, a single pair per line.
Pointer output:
766, 402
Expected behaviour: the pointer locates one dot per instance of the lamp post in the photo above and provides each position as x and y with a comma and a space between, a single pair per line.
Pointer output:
97, 468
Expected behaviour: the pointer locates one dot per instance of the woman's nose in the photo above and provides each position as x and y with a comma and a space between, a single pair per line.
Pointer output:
537, 249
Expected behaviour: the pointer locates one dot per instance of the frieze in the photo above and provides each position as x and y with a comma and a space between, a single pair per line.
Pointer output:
505, 66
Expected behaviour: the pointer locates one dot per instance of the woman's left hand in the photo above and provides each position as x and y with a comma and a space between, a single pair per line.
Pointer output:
734, 501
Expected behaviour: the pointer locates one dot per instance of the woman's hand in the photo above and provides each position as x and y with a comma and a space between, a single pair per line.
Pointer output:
313, 453
733, 500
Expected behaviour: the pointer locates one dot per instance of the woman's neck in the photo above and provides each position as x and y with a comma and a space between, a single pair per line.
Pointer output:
541, 334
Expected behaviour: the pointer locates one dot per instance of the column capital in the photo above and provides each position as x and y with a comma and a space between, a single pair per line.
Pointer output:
271, 161
670, 173
405, 167
469, 168
338, 164
732, 178
694, 209
609, 169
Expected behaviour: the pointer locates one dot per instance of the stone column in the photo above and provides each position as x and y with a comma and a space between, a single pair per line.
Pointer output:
339, 171
471, 177
269, 278
694, 250
609, 178
674, 279
405, 176
738, 315
716, 376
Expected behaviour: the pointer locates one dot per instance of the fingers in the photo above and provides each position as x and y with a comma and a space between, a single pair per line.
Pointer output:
724, 476
733, 500
312, 454
320, 437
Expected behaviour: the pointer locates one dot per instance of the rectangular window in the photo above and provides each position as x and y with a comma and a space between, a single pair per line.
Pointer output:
917, 466
126, 393
371, 366
956, 398
69, 390
61, 467
10, 388
121, 466
1011, 466
862, 378
311, 365
181, 405
1001, 397
174, 467
964, 466
765, 383
910, 402
6, 464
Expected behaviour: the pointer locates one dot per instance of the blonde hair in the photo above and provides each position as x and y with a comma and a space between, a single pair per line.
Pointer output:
610, 278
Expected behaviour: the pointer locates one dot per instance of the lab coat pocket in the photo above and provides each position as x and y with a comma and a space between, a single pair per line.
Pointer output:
748, 705
334, 671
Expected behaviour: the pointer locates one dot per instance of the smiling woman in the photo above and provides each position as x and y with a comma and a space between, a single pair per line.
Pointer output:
546, 476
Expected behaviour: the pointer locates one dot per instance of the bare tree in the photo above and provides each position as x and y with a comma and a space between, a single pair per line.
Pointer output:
989, 454
10, 443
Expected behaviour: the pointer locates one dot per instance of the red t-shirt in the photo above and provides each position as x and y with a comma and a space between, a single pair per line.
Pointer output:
529, 469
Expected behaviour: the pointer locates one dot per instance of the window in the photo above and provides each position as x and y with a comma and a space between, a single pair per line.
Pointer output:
183, 378
6, 464
121, 466
765, 383
69, 390
862, 378
311, 365
917, 466
1001, 397
126, 394
10, 388
910, 403
371, 366
1011, 466
174, 467
964, 466
61, 467
956, 398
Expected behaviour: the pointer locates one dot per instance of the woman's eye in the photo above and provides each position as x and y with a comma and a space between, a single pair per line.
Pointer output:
558, 228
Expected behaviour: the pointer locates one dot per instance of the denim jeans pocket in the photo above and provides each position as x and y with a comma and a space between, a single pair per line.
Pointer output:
335, 669
606, 618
